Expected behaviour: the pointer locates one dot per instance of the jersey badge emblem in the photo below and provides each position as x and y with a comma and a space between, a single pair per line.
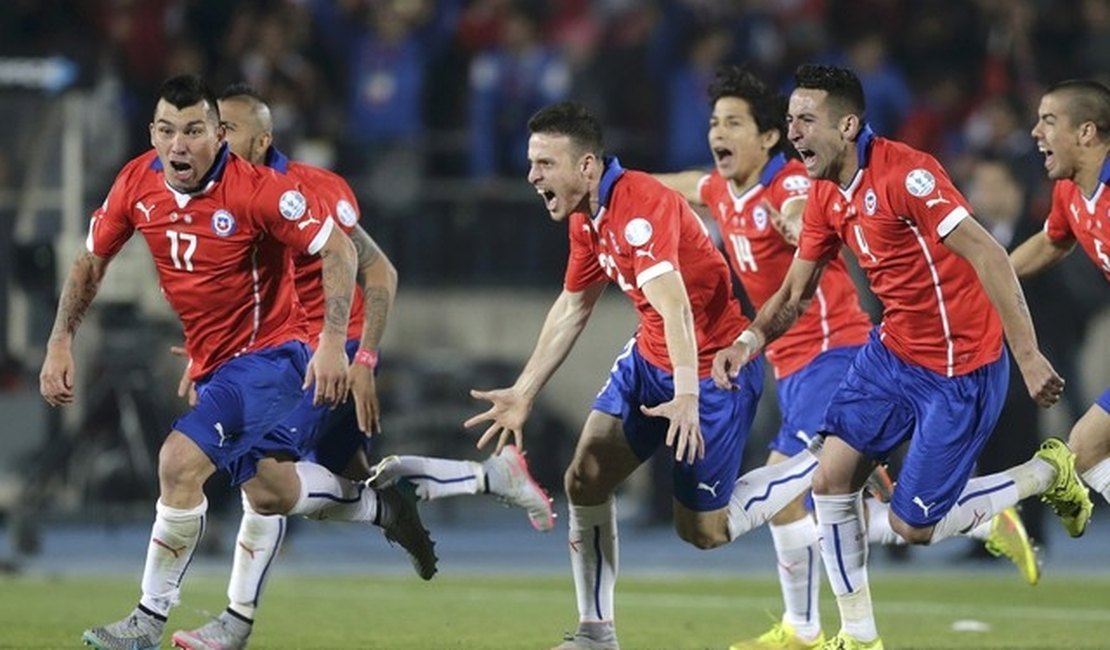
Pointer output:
223, 224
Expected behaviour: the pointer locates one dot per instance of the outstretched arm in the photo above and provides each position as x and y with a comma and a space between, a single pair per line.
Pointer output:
775, 317
685, 183
565, 321
970, 241
81, 287
378, 280
1039, 253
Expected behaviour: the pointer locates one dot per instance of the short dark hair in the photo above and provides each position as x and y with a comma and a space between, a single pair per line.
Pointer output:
572, 120
186, 90
843, 86
242, 89
768, 107
1086, 100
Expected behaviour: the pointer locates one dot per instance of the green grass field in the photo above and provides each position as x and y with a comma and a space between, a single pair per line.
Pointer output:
502, 613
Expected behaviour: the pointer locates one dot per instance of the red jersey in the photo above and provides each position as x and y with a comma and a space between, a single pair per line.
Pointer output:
641, 231
1074, 217
760, 257
335, 199
895, 215
221, 253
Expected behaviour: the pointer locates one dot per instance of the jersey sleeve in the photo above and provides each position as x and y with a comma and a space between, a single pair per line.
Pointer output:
818, 239
786, 188
293, 216
654, 233
705, 191
921, 191
583, 269
111, 225
1056, 226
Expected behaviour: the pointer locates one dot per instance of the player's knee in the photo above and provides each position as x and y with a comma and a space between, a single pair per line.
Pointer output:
911, 534
267, 501
182, 466
581, 483
700, 536
821, 484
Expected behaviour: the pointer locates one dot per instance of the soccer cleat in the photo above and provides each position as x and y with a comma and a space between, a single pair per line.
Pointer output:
1008, 537
225, 632
509, 479
879, 484
139, 631
779, 637
1067, 496
845, 641
405, 528
591, 636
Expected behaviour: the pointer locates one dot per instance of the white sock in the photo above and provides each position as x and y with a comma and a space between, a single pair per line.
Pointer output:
762, 492
1098, 477
436, 478
256, 547
879, 530
327, 496
594, 558
985, 496
799, 575
844, 552
173, 540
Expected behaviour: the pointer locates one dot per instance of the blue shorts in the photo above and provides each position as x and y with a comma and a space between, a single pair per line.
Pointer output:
1104, 400
884, 400
324, 435
725, 415
804, 395
240, 404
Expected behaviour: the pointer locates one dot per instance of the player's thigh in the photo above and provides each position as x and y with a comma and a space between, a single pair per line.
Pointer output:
275, 487
603, 459
1090, 437
841, 469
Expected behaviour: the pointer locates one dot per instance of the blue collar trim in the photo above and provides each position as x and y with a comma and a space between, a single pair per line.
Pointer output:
613, 172
276, 160
863, 145
773, 167
215, 172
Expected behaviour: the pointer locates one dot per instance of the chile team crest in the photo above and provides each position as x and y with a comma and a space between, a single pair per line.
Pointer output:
223, 224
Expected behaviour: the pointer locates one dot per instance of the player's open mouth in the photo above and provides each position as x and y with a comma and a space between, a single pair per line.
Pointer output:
548, 198
1049, 158
181, 170
723, 155
808, 156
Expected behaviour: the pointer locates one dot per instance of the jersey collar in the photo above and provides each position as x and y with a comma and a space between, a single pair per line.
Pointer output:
863, 145
774, 165
1104, 175
609, 177
276, 160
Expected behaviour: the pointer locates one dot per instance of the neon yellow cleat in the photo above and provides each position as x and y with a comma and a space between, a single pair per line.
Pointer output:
779, 637
1067, 496
1008, 537
845, 641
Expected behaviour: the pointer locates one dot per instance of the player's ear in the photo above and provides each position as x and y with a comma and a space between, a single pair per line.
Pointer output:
1087, 132
850, 125
586, 163
768, 139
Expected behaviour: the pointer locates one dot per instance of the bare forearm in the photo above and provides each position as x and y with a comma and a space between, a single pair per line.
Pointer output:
81, 287
1005, 294
565, 321
339, 284
378, 280
1037, 254
777, 315
685, 183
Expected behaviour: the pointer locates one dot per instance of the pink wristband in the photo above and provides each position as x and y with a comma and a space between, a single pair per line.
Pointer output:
366, 357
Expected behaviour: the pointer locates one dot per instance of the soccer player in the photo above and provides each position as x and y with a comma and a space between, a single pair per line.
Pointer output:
334, 437
220, 231
933, 372
1073, 131
627, 228
756, 195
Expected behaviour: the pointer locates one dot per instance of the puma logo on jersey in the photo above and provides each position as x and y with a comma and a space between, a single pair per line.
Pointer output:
711, 489
921, 504
649, 253
307, 222
937, 201
145, 210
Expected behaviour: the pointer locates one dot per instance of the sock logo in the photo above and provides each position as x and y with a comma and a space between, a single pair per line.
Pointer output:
250, 551
176, 551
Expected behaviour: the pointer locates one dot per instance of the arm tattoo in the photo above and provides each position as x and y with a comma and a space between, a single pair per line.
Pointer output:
368, 252
338, 286
781, 320
375, 312
80, 288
